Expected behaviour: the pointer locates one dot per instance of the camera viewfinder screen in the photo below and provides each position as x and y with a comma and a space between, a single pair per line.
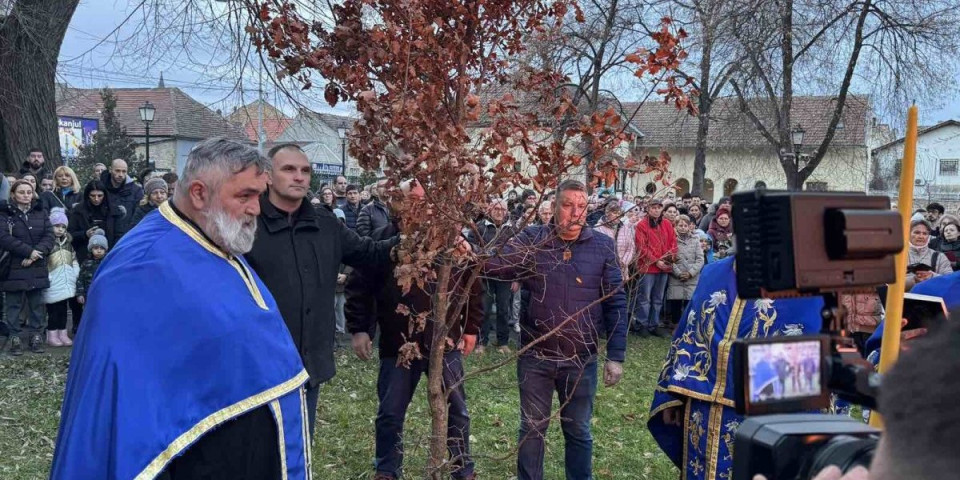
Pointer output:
784, 371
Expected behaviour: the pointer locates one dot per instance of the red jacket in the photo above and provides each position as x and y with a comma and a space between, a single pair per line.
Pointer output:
655, 243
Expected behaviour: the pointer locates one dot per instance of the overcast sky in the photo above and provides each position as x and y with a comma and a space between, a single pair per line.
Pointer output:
92, 58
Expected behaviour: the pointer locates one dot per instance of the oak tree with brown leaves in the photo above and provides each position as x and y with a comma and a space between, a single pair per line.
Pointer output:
441, 101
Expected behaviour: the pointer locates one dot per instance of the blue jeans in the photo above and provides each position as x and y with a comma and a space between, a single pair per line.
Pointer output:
650, 299
575, 382
395, 387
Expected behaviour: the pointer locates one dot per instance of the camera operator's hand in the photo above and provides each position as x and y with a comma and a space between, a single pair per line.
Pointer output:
834, 473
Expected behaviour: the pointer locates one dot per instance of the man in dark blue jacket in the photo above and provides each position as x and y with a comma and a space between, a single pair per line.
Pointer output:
575, 291
351, 208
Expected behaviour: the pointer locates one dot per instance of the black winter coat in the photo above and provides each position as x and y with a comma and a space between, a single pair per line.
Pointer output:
142, 211
82, 219
373, 217
56, 199
352, 213
40, 174
127, 196
299, 263
30, 231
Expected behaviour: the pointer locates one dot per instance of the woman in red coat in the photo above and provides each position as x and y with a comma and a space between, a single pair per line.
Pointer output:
656, 253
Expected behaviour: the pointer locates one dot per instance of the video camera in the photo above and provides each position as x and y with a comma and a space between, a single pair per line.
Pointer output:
794, 244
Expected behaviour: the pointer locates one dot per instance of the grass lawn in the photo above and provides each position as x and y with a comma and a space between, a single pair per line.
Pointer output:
31, 388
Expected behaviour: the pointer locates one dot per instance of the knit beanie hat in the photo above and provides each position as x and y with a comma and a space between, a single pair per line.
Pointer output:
58, 217
98, 239
155, 183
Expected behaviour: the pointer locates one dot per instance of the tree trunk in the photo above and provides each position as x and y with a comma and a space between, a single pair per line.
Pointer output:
788, 162
703, 118
436, 391
30, 38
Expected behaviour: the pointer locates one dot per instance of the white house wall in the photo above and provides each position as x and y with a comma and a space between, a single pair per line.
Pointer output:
932, 147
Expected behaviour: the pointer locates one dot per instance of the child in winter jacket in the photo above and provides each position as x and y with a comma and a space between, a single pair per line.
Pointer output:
63, 271
97, 246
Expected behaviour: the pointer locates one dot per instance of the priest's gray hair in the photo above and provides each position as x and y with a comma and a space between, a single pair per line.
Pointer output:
214, 160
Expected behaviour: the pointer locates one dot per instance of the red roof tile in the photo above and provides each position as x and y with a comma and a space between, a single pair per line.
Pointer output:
663, 125
177, 114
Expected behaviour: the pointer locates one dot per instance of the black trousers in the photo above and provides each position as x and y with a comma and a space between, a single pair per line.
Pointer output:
57, 315
496, 292
675, 309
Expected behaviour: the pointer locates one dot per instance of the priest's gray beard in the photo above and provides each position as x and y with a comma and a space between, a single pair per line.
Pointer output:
234, 235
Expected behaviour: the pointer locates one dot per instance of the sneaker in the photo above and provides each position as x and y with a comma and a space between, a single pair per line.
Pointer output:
16, 347
505, 350
36, 344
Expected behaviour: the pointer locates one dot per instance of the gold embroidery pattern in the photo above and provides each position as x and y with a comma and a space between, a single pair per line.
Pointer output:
278, 415
686, 444
723, 349
696, 338
216, 418
765, 317
167, 211
696, 430
713, 439
729, 436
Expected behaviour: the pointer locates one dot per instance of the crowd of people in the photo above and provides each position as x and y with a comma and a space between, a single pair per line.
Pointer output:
57, 231
294, 267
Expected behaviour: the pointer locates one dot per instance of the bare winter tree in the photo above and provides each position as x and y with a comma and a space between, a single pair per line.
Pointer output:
891, 48
710, 24
31, 32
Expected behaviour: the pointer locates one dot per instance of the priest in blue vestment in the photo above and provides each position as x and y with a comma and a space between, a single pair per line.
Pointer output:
183, 367
692, 416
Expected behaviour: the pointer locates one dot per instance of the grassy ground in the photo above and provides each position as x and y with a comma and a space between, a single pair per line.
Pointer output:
31, 388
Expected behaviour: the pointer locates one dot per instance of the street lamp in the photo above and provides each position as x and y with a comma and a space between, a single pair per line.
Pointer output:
796, 136
146, 116
342, 133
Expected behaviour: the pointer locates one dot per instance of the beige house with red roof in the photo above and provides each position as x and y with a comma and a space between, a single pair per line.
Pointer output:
180, 122
738, 157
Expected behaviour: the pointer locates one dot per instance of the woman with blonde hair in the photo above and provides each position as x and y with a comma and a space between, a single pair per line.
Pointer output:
66, 191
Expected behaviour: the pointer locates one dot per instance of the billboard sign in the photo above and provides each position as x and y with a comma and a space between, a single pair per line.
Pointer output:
75, 132
326, 169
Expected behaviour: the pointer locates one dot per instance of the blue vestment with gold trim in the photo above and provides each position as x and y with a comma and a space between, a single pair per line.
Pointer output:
177, 338
698, 376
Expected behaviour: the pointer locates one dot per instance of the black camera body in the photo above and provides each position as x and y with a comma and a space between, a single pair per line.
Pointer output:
792, 244
800, 445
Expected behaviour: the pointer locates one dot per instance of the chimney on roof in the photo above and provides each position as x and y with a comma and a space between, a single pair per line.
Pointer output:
160, 85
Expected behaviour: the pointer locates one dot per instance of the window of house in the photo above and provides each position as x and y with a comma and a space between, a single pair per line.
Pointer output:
948, 167
816, 186
651, 188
